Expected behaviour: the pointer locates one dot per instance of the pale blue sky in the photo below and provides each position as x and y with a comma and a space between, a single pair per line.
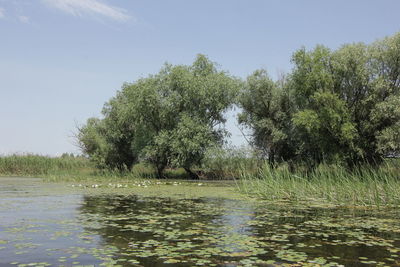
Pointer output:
60, 60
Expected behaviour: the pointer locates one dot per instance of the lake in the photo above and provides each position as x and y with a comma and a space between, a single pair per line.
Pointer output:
167, 223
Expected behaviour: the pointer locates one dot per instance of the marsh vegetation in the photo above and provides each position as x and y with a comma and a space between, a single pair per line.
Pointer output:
318, 185
335, 107
161, 224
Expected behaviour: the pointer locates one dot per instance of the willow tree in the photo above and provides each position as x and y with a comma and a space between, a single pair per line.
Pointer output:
267, 108
168, 119
343, 105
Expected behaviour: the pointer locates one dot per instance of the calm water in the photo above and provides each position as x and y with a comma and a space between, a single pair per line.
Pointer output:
183, 225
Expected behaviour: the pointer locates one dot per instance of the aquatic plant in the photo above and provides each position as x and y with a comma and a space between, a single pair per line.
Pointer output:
364, 185
31, 165
160, 226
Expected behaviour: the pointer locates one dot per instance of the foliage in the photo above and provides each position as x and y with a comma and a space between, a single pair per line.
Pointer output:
167, 119
335, 106
327, 183
267, 109
32, 165
228, 162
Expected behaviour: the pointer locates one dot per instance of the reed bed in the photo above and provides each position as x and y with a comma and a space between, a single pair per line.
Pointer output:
75, 169
334, 184
37, 165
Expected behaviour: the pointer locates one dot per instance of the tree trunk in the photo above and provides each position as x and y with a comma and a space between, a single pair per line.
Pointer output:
192, 175
160, 171
271, 158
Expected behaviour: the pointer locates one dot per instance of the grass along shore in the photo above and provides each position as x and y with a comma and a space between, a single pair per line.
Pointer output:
74, 169
35, 165
327, 183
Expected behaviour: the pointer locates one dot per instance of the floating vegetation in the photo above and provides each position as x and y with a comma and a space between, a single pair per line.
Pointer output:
184, 225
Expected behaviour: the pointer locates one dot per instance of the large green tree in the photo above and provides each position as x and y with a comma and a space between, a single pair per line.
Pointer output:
168, 119
341, 105
267, 108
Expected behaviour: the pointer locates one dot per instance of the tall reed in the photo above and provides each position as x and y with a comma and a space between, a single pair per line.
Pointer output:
364, 185
33, 165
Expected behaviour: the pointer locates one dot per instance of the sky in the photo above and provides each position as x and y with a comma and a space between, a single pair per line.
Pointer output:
61, 60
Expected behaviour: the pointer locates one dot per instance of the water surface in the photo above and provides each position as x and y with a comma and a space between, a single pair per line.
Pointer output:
150, 224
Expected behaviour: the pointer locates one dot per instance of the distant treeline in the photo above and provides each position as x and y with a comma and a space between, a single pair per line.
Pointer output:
335, 106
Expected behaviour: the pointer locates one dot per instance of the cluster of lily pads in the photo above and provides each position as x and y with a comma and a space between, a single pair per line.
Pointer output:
134, 230
137, 183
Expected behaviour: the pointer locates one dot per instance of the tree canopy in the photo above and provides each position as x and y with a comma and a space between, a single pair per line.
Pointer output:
167, 119
340, 106
335, 106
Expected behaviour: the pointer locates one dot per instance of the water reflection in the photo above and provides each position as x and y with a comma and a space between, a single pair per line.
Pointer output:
159, 231
223, 232
42, 227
